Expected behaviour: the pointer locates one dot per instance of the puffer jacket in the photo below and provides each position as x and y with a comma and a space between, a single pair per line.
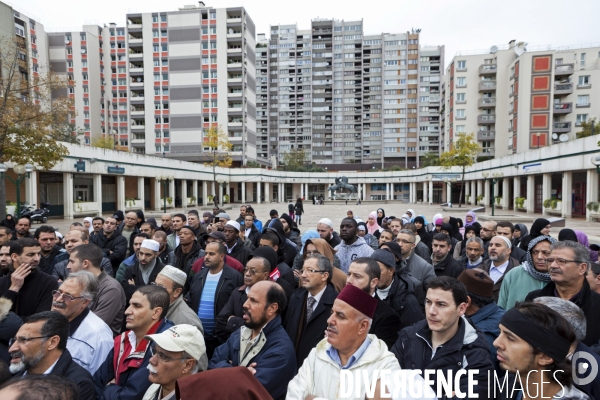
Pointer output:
468, 349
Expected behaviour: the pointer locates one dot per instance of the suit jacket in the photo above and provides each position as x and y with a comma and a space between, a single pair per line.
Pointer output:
487, 265
386, 324
305, 335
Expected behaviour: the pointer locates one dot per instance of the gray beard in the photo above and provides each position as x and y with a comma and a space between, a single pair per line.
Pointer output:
26, 364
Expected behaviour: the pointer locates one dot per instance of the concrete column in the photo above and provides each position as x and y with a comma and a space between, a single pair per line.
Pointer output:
487, 192
426, 192
157, 189
184, 194
258, 192
505, 193
516, 190
31, 186
467, 189
140, 190
430, 194
302, 195
98, 193
171, 192
243, 192
473, 193
479, 189
567, 197
68, 194
195, 190
546, 186
213, 188
530, 194
121, 192
204, 193
268, 192
591, 191
306, 194
221, 193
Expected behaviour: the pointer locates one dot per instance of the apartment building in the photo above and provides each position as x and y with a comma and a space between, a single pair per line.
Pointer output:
516, 97
351, 100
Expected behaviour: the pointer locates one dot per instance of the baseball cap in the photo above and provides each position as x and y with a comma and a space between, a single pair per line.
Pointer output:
223, 215
216, 235
181, 337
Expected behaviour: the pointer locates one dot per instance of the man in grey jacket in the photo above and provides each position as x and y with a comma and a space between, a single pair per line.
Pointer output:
352, 246
73, 239
173, 280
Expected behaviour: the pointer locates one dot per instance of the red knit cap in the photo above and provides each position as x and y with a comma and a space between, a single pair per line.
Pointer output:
359, 300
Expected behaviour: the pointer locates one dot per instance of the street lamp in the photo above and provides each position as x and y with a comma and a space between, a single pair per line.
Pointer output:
20, 170
495, 177
164, 180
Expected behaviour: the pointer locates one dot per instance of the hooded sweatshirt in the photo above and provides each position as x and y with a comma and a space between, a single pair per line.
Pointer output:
348, 253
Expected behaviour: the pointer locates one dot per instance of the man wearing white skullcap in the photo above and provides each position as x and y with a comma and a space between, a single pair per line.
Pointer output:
499, 261
325, 229
173, 279
144, 270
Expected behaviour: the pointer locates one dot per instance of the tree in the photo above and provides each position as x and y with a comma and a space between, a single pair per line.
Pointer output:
104, 143
32, 120
430, 159
462, 154
586, 128
294, 160
219, 146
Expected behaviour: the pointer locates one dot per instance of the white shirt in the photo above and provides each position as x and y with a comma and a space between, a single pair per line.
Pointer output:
49, 370
383, 293
496, 273
317, 297
176, 240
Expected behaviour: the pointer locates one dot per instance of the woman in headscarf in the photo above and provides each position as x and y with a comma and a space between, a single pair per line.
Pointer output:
411, 214
470, 218
207, 218
520, 232
541, 226
567, 234
8, 222
455, 229
380, 216
140, 218
421, 225
87, 223
533, 274
370, 239
461, 226
583, 240
373, 223
460, 248
431, 226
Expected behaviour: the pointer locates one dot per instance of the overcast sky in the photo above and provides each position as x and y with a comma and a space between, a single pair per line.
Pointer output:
460, 25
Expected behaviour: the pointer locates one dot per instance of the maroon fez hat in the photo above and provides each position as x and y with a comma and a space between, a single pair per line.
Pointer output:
359, 300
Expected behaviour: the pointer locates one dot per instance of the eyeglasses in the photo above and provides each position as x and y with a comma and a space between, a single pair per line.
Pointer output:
308, 252
313, 271
404, 241
251, 271
158, 284
162, 356
57, 293
23, 340
560, 261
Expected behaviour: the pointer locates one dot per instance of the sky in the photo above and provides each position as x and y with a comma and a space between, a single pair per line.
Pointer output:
460, 25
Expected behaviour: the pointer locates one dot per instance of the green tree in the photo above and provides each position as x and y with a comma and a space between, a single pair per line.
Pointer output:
295, 160
32, 120
586, 128
462, 154
219, 146
430, 159
104, 143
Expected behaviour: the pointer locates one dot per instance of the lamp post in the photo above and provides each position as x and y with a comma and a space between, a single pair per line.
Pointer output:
495, 177
20, 170
164, 180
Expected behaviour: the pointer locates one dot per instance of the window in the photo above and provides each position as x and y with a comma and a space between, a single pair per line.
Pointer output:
163, 33
582, 62
584, 80
460, 113
460, 98
163, 18
461, 65
460, 128
581, 118
462, 82
583, 100
155, 18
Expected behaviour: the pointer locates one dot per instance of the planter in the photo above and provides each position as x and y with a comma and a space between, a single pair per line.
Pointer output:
131, 205
521, 209
191, 201
162, 202
594, 215
11, 210
85, 208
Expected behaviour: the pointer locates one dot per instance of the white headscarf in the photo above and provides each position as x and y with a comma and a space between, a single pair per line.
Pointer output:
91, 220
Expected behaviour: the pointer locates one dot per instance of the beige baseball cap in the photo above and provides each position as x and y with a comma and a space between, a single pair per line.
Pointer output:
182, 337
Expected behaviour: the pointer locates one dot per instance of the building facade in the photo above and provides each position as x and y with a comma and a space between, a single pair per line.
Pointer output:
515, 98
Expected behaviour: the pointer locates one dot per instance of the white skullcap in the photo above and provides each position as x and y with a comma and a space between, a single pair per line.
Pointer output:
151, 245
234, 224
326, 221
507, 240
174, 274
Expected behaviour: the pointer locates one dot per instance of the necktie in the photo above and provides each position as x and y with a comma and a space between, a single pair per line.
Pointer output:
309, 309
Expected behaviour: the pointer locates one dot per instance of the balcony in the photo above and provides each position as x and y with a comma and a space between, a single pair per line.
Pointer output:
564, 69
486, 119
487, 69
561, 89
487, 86
234, 50
561, 127
136, 56
486, 102
234, 80
234, 65
137, 112
487, 152
234, 20
234, 123
563, 108
134, 26
138, 127
234, 94
234, 35
486, 135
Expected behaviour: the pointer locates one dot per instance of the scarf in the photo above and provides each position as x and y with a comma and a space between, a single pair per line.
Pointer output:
476, 264
528, 265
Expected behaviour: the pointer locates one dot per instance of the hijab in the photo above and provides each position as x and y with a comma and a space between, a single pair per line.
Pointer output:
455, 229
473, 215
523, 229
375, 227
379, 220
470, 228
310, 234
90, 220
140, 215
323, 248
567, 234
529, 266
536, 231
583, 240
412, 214
425, 237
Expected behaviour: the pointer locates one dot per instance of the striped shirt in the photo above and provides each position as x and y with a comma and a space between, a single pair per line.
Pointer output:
206, 310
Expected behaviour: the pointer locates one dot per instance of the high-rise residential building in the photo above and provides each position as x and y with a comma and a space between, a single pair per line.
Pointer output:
516, 97
350, 100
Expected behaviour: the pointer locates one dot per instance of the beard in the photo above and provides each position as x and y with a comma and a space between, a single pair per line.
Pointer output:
25, 364
250, 324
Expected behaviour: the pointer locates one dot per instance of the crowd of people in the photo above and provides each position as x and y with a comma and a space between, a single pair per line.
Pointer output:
214, 306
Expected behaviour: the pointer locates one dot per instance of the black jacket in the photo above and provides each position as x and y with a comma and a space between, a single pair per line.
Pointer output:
225, 326
35, 295
423, 251
402, 300
228, 282
486, 265
386, 324
448, 267
518, 254
287, 249
296, 237
413, 351
46, 263
305, 335
134, 272
254, 236
67, 368
240, 252
9, 326
116, 243
335, 240
588, 301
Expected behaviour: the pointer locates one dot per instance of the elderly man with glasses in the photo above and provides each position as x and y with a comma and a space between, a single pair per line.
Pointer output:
568, 265
90, 338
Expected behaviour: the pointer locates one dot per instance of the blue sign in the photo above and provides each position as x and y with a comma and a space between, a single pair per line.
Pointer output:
80, 165
116, 170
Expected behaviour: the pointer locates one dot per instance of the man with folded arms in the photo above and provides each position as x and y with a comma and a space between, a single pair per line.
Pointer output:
348, 345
